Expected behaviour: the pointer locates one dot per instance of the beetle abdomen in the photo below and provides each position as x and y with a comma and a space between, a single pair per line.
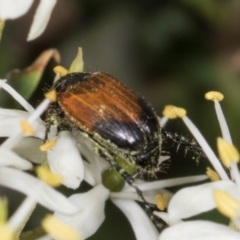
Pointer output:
98, 103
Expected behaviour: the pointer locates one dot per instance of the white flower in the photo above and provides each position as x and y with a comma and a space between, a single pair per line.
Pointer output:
199, 230
64, 158
199, 199
223, 194
94, 200
92, 216
35, 190
12, 9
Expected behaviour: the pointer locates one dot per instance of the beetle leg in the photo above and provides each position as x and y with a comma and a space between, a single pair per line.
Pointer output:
188, 144
158, 223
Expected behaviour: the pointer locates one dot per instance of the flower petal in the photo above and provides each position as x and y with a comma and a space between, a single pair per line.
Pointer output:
164, 216
199, 230
10, 123
88, 174
41, 18
191, 201
11, 9
98, 164
92, 216
9, 158
141, 223
28, 148
31, 186
65, 160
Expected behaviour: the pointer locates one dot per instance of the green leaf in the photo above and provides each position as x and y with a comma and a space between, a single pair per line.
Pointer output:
26, 81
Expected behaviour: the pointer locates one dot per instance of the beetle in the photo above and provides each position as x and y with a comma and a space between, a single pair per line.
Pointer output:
116, 119
121, 124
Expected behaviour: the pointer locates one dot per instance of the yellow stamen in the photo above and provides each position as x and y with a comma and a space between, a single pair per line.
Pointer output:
27, 128
169, 112
3, 210
161, 201
6, 232
212, 175
172, 112
59, 230
227, 152
77, 64
52, 96
48, 145
226, 204
214, 95
48, 177
181, 112
60, 70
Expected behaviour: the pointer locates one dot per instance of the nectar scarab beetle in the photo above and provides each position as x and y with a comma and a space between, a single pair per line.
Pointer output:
116, 119
121, 124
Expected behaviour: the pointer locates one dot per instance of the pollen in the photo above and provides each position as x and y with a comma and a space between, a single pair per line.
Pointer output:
27, 128
48, 145
48, 177
172, 112
161, 201
227, 152
59, 230
52, 96
214, 95
226, 204
212, 175
60, 70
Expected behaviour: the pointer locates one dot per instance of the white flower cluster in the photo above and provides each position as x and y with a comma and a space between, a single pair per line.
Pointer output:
223, 193
83, 212
12, 9
80, 215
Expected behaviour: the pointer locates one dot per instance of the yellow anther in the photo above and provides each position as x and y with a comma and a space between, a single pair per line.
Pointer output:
227, 152
27, 128
169, 112
6, 232
226, 204
214, 95
59, 230
60, 70
161, 201
212, 175
181, 112
52, 96
48, 177
172, 112
48, 145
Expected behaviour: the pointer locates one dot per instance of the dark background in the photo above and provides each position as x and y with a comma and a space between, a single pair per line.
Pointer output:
172, 52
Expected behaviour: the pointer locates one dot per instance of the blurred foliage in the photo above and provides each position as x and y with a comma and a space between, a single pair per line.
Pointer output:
27, 80
171, 52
